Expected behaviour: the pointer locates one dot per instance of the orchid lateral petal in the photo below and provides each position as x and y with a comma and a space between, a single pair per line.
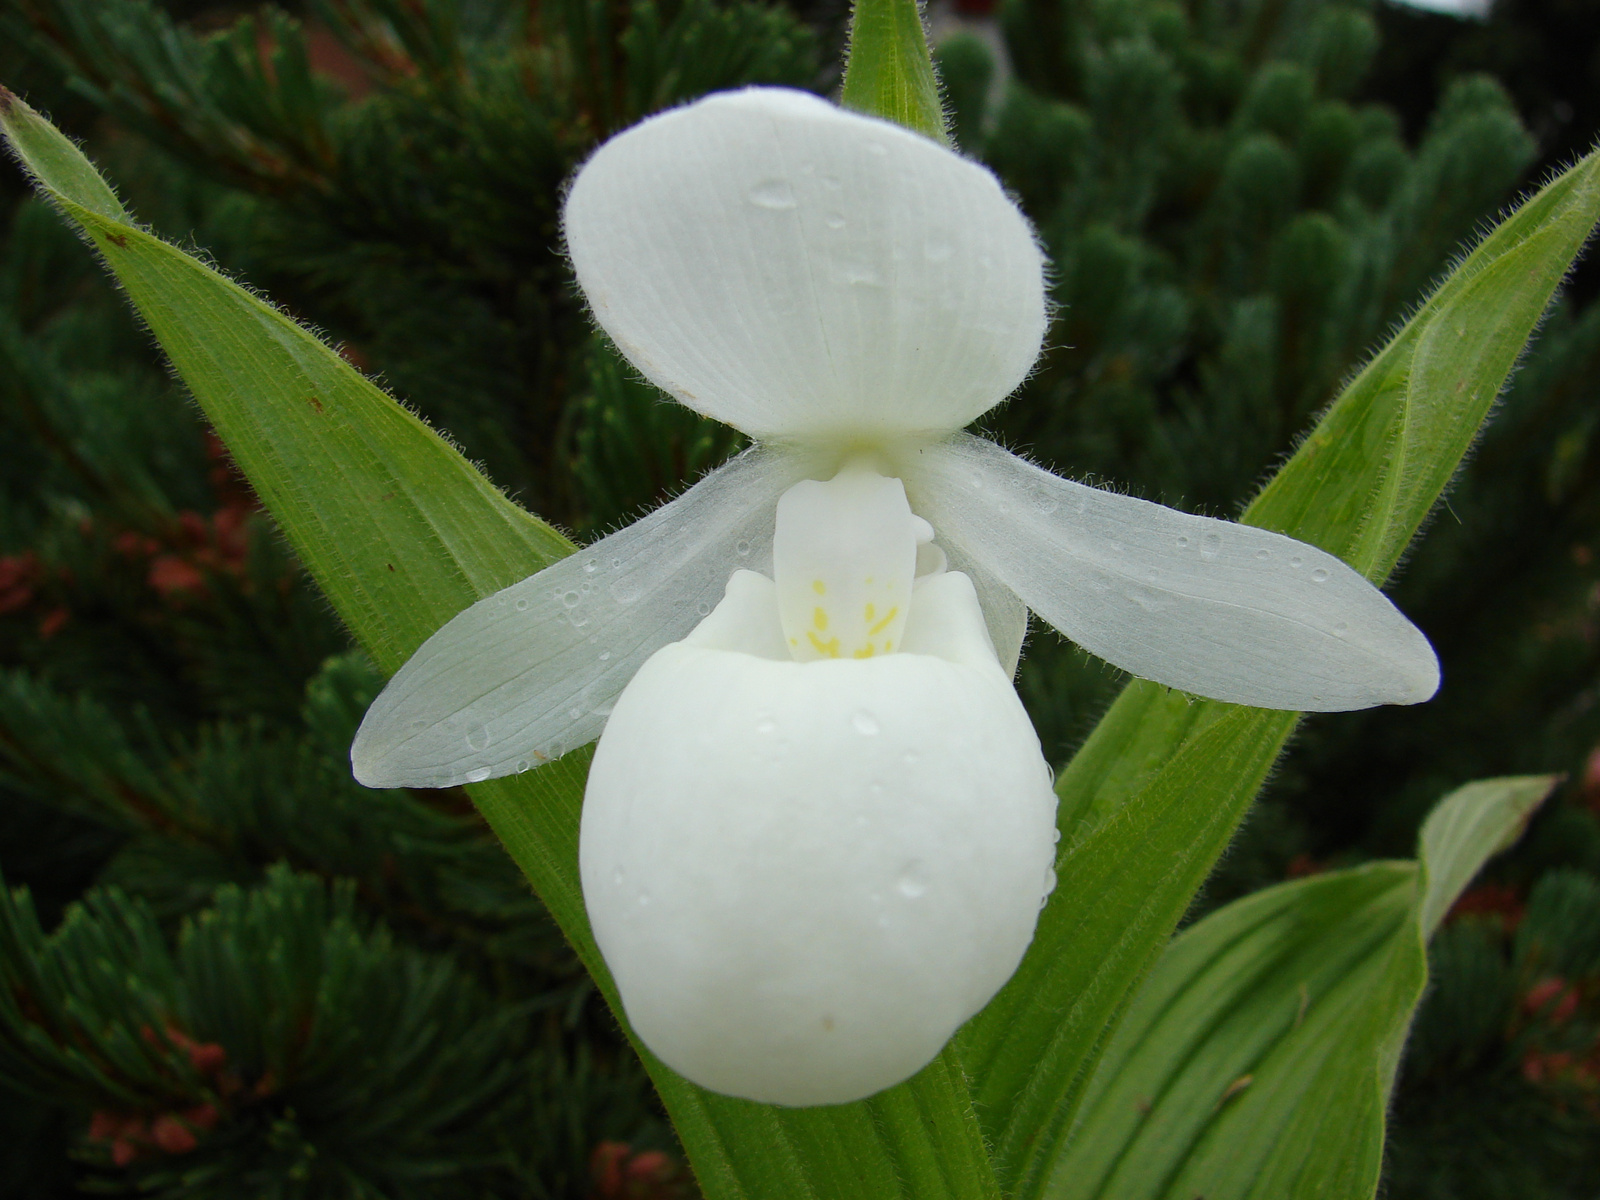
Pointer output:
531, 672
805, 273
1211, 607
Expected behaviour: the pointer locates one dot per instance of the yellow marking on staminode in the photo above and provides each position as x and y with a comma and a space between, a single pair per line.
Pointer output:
870, 611
888, 647
819, 617
829, 647
866, 652
818, 586
883, 624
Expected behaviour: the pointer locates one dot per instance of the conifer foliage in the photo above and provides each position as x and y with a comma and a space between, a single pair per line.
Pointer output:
227, 970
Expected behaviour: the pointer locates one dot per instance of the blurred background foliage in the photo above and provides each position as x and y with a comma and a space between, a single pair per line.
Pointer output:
228, 970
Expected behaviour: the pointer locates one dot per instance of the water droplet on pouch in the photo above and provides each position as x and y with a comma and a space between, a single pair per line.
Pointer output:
616, 563
703, 608
865, 723
1210, 545
478, 737
1183, 543
741, 548
477, 774
1297, 562
1320, 575
773, 194
912, 882
523, 766
1263, 555
570, 599
522, 604
1055, 837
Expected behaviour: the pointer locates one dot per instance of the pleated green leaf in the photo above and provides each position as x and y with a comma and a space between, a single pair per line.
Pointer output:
1153, 797
889, 72
401, 533
1257, 1060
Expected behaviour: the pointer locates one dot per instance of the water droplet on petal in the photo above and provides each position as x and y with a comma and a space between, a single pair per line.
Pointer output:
1183, 543
570, 599
574, 713
590, 567
865, 723
703, 608
1297, 562
644, 899
1320, 575
618, 876
1210, 545
835, 220
522, 604
773, 194
605, 655
742, 548
478, 737
523, 766
1263, 555
625, 591
766, 725
1340, 629
477, 774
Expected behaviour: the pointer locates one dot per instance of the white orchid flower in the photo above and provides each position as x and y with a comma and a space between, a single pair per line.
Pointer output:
818, 827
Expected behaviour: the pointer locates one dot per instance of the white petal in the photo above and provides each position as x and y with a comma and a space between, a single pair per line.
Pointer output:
805, 876
1211, 607
799, 271
530, 672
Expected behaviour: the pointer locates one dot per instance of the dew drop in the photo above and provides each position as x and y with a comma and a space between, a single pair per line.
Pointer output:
1055, 837
1340, 629
523, 766
1210, 545
773, 194
865, 723
834, 220
644, 899
616, 564
1320, 575
858, 275
478, 737
1263, 555
587, 588
1297, 562
913, 880
766, 725
703, 608
522, 604
574, 713
477, 774
605, 656
590, 567
570, 599
618, 876
1183, 543
742, 548
1044, 502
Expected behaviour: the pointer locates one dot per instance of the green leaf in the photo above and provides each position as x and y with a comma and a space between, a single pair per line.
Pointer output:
1257, 1060
401, 533
889, 72
1151, 800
